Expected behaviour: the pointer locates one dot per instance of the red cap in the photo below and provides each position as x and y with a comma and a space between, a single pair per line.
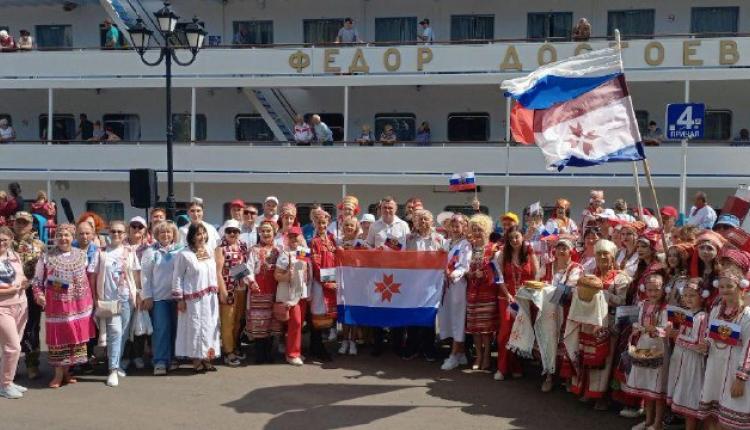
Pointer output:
669, 211
237, 204
295, 230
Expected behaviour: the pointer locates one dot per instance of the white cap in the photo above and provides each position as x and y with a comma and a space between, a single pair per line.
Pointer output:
231, 223
443, 216
271, 199
139, 220
367, 218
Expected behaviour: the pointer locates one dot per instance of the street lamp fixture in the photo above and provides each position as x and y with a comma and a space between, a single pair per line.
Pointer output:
141, 36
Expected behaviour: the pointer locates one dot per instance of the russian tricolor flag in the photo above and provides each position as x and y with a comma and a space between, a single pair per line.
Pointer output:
389, 289
578, 111
463, 181
725, 332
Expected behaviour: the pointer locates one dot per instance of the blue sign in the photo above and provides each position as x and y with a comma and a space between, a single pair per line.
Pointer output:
685, 120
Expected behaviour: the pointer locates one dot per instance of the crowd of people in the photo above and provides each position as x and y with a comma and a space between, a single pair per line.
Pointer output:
617, 308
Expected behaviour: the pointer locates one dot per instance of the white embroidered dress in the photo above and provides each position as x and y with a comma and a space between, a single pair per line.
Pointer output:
687, 367
452, 312
195, 281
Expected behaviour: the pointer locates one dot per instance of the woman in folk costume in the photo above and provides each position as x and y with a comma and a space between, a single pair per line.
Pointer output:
561, 223
594, 351
519, 265
420, 340
650, 354
322, 248
649, 244
293, 276
195, 287
483, 289
61, 288
595, 207
261, 326
627, 257
687, 365
725, 398
587, 258
563, 274
287, 220
115, 273
452, 312
234, 277
678, 263
733, 258
348, 207
708, 246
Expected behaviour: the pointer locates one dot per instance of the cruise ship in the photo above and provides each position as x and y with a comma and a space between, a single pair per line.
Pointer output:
265, 61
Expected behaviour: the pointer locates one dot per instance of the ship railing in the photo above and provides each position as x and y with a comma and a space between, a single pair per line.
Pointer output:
343, 144
409, 42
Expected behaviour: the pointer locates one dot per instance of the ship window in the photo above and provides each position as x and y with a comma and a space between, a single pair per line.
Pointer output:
641, 117
398, 29
109, 210
403, 124
181, 127
125, 126
252, 32
64, 126
54, 36
472, 27
321, 30
636, 23
252, 128
468, 127
718, 125
549, 25
334, 121
714, 19
467, 209
121, 41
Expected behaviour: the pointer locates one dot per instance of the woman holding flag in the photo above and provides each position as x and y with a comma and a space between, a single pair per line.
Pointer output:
483, 289
452, 312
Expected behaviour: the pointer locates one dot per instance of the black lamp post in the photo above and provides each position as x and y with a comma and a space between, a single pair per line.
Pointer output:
140, 35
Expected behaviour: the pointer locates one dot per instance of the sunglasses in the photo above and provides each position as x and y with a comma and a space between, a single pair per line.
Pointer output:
250, 212
137, 226
232, 231
117, 232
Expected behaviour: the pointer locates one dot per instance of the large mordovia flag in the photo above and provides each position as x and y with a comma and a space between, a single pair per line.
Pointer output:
578, 111
389, 289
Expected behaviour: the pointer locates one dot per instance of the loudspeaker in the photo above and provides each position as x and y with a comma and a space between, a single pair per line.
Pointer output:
143, 188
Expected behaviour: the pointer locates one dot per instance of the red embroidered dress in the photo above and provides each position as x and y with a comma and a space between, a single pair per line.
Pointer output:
322, 249
482, 293
260, 321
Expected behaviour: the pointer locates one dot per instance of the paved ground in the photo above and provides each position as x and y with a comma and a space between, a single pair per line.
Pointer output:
351, 392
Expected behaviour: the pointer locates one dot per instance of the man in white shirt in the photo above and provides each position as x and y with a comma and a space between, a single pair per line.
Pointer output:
427, 36
270, 205
248, 232
390, 231
195, 212
701, 215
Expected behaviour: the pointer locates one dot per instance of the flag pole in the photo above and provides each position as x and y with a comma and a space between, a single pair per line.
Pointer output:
646, 169
638, 198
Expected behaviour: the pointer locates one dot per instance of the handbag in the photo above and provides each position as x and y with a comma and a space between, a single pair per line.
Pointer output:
281, 312
107, 308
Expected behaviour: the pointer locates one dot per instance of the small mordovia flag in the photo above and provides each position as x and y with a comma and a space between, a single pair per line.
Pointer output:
578, 111
389, 289
463, 181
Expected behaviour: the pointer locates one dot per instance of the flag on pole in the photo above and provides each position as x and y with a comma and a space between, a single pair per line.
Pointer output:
578, 111
389, 289
463, 181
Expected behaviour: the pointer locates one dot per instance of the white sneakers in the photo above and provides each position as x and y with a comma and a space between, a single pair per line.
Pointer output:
21, 389
112, 380
348, 346
499, 376
631, 412
450, 363
160, 370
10, 392
296, 361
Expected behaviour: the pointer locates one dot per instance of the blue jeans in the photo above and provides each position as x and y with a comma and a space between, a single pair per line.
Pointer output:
118, 330
164, 320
